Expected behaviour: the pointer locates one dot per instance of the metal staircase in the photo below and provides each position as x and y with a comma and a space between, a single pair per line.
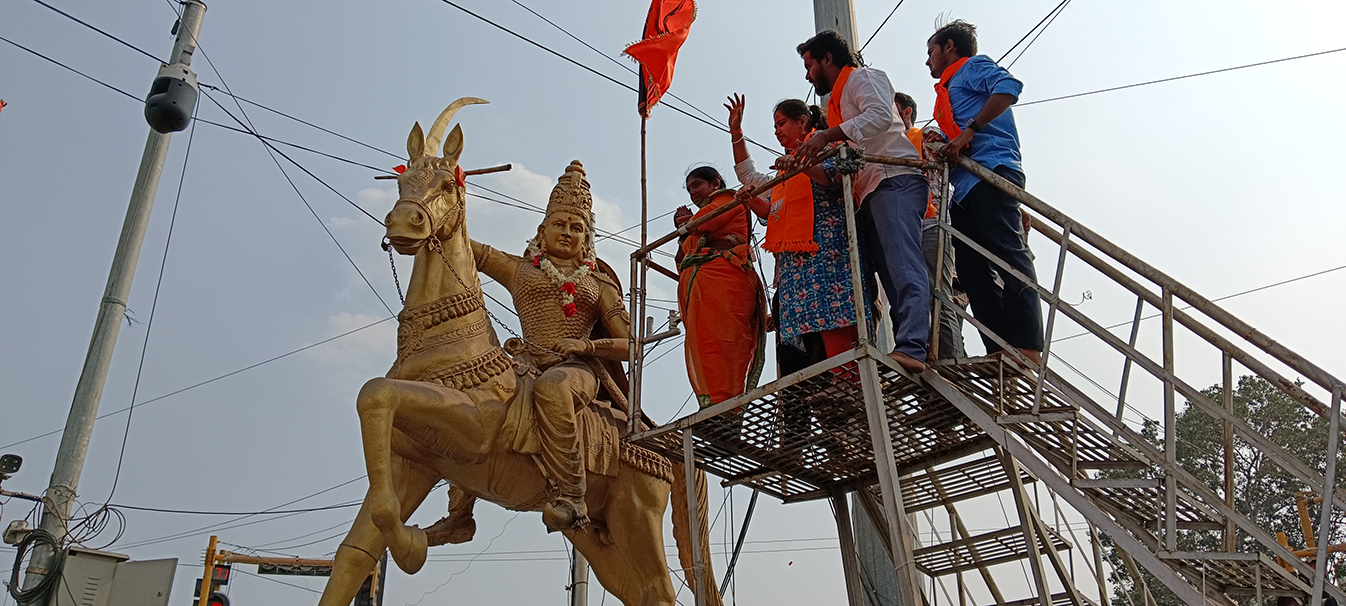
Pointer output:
969, 428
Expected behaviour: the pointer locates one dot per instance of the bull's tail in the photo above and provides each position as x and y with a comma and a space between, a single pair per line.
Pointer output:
682, 531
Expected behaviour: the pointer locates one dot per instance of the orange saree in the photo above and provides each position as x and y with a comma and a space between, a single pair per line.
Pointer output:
722, 304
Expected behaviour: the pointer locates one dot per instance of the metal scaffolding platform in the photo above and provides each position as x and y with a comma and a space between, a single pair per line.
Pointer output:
969, 428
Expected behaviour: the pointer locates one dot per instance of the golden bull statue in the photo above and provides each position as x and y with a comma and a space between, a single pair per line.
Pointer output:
533, 431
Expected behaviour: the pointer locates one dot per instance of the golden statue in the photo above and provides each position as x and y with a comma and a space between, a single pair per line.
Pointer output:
529, 432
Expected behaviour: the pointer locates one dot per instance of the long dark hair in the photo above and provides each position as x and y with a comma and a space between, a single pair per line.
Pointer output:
708, 174
795, 109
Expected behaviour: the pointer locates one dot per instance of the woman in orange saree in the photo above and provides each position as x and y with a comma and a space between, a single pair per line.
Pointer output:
721, 300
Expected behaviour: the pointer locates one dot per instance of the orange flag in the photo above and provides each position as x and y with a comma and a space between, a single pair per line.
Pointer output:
666, 28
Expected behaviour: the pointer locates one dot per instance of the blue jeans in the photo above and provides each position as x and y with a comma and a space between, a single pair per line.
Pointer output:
890, 231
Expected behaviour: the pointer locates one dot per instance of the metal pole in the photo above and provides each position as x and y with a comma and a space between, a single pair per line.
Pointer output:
579, 579
850, 561
209, 573
64, 485
1051, 316
738, 546
1325, 517
1126, 365
694, 519
1170, 430
1230, 534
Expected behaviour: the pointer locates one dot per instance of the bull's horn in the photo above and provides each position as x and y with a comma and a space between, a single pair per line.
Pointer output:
436, 135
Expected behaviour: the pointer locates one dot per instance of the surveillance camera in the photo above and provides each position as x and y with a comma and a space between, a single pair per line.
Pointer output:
10, 463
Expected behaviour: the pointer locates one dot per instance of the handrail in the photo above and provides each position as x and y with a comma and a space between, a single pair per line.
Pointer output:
695, 223
1295, 361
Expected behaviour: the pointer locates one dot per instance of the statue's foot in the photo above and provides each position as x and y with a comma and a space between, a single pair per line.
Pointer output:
451, 529
565, 513
409, 547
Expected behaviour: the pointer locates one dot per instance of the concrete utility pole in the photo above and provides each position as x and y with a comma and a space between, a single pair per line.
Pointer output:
64, 484
838, 15
579, 580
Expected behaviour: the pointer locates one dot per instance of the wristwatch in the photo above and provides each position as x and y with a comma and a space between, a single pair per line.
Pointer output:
973, 126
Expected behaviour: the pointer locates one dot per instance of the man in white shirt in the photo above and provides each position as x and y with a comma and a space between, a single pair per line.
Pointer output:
861, 111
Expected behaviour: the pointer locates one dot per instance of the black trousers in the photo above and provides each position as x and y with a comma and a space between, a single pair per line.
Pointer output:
1007, 306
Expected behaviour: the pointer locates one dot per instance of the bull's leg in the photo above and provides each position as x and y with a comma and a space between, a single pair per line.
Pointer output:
436, 419
633, 567
358, 552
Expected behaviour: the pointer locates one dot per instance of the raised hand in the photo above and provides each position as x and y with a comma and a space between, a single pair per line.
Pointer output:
735, 107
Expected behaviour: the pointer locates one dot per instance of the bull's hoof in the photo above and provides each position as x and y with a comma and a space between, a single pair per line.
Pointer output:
451, 529
409, 547
565, 514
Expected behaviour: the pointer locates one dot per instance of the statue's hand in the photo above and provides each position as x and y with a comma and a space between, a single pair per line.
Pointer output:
577, 347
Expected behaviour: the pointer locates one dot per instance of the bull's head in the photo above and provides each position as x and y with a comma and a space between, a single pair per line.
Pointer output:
430, 193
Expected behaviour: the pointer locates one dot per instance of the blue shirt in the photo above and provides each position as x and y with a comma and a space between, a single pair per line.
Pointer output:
997, 143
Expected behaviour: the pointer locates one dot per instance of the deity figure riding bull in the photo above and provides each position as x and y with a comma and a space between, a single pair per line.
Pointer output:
532, 426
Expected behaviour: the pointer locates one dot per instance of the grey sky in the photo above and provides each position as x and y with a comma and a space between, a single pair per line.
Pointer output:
1227, 182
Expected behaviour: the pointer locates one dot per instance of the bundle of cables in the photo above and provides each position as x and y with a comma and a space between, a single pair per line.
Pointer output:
40, 591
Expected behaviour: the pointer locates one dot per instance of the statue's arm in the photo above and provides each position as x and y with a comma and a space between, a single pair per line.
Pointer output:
499, 265
617, 323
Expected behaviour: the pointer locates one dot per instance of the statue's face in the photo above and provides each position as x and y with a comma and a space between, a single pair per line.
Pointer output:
564, 235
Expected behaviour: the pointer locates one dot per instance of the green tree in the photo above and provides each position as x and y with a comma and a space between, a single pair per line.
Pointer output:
1263, 490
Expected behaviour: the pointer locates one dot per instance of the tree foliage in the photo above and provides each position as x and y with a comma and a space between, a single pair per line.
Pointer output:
1263, 490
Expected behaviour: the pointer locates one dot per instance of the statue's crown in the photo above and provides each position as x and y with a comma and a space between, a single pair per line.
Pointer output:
571, 193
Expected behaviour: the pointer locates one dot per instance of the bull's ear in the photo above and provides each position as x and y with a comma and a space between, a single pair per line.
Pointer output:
453, 145
416, 142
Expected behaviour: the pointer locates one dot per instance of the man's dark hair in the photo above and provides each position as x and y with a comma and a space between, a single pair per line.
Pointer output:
904, 101
829, 43
709, 175
963, 34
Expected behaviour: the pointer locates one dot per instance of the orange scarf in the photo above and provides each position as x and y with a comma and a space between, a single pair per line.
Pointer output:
943, 108
789, 227
917, 139
834, 100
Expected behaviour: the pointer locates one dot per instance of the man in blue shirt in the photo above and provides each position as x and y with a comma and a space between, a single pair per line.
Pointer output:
972, 107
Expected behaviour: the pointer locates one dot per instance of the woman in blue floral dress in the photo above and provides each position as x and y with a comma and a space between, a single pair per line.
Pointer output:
814, 307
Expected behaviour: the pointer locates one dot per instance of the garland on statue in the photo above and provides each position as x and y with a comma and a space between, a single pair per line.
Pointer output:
566, 283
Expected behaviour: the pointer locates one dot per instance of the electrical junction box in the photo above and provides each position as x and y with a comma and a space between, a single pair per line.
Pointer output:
100, 578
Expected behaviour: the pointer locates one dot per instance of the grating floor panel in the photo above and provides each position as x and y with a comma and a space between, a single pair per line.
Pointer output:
992, 548
798, 439
1239, 575
959, 482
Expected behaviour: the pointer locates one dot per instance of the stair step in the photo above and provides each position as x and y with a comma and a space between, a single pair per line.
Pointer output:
960, 482
1057, 599
1237, 574
996, 547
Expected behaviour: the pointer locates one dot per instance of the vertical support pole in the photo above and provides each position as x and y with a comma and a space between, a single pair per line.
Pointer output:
738, 546
694, 518
1170, 431
579, 579
209, 573
1051, 318
64, 484
838, 15
635, 352
1230, 532
850, 563
1329, 485
383, 578
894, 512
1126, 364
1098, 565
941, 284
1027, 523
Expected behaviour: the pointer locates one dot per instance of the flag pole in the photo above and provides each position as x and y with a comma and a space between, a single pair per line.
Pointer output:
638, 305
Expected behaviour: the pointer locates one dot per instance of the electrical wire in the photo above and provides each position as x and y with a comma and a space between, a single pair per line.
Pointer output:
211, 380
1030, 32
58, 63
241, 513
154, 306
271, 150
1162, 80
592, 70
880, 27
469, 562
1060, 9
92, 27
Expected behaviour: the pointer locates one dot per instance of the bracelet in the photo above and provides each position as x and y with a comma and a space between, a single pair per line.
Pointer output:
737, 141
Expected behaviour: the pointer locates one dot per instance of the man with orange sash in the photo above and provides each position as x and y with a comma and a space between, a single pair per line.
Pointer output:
893, 198
972, 106
950, 344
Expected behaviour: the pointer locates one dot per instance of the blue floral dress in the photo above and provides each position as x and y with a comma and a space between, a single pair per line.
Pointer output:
814, 289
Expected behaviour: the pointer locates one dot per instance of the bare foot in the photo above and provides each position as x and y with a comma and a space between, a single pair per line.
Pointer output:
907, 362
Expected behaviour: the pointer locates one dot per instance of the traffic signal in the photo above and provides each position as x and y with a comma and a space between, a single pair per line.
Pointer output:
217, 599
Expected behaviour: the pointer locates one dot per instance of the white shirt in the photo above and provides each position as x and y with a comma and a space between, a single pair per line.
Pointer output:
869, 119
